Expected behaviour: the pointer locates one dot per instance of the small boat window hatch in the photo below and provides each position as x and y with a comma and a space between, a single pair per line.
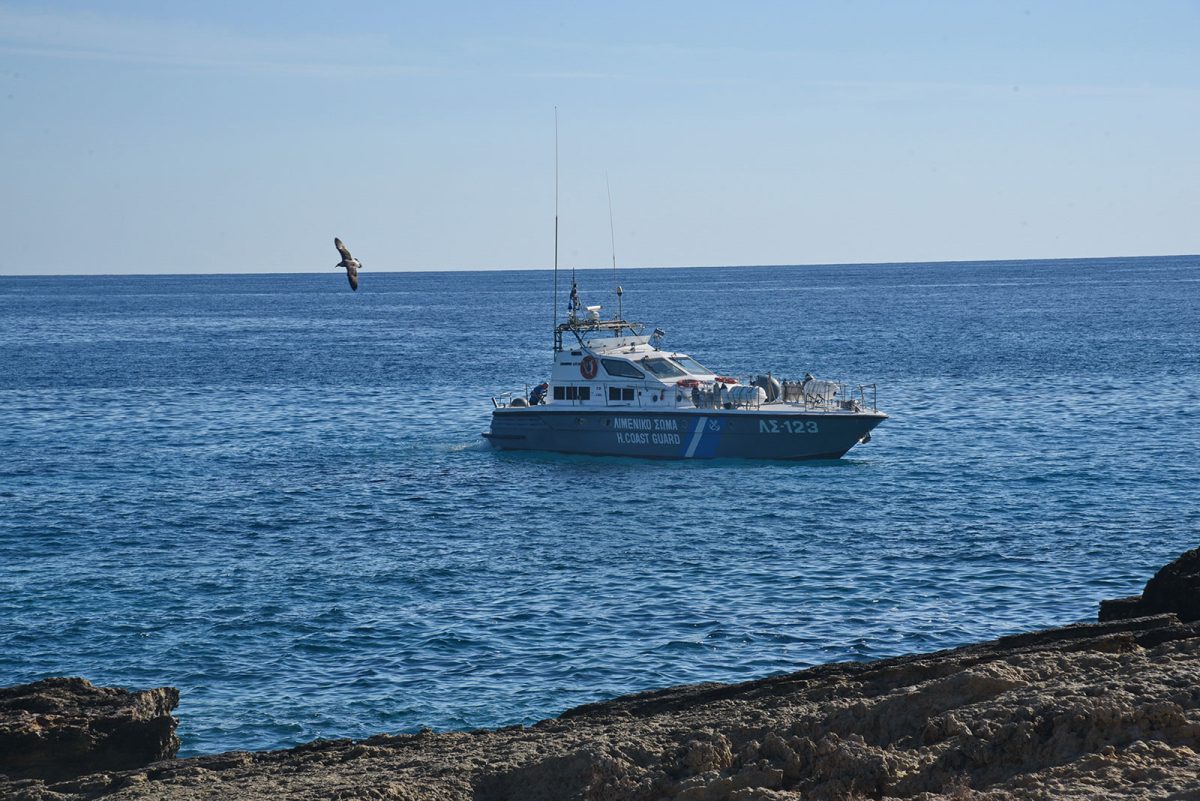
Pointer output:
620, 393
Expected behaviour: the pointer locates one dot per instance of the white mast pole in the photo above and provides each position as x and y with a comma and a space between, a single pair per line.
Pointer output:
613, 239
554, 326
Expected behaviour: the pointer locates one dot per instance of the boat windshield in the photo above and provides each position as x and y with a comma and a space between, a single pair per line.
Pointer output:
692, 366
621, 368
662, 367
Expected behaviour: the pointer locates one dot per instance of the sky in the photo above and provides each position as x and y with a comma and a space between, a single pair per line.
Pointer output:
151, 137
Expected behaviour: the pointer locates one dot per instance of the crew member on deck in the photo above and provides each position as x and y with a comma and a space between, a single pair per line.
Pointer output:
538, 396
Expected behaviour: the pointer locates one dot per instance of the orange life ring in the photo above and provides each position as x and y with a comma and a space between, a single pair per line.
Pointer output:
724, 379
588, 367
687, 382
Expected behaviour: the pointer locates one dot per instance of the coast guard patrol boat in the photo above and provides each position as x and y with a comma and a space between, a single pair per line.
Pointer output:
613, 390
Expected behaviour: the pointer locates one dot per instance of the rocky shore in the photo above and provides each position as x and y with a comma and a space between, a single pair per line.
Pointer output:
61, 728
1102, 710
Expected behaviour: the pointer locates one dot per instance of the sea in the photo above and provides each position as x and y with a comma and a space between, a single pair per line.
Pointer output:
272, 493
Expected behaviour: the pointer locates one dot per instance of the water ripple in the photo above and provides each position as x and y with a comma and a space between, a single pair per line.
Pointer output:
200, 488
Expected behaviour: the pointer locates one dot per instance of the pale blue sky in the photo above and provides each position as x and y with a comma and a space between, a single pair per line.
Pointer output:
221, 136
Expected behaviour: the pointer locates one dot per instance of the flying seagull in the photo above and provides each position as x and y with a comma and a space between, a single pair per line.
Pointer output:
349, 262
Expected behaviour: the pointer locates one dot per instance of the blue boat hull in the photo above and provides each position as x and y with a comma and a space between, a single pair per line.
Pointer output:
764, 433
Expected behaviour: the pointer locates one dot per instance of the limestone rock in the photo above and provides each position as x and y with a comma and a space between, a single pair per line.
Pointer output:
1175, 588
60, 728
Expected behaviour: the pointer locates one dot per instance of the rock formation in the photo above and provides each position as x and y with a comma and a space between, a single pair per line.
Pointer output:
60, 728
1106, 710
1175, 588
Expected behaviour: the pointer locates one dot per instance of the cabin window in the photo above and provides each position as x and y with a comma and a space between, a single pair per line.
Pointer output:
661, 367
614, 393
627, 393
573, 393
621, 368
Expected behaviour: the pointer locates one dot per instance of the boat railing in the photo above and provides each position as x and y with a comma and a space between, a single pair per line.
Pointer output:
826, 395
505, 399
861, 389
581, 326
816, 395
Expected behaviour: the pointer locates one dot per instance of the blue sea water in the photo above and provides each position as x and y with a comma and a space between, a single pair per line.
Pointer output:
272, 493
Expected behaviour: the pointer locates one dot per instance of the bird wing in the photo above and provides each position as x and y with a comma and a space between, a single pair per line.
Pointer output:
352, 274
337, 243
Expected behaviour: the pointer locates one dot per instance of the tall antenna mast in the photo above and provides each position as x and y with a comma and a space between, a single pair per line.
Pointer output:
554, 326
613, 239
574, 288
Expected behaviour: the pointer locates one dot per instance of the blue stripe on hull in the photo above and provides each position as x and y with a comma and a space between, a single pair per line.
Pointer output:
682, 435
710, 439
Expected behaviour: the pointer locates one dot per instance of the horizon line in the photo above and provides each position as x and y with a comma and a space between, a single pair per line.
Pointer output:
642, 267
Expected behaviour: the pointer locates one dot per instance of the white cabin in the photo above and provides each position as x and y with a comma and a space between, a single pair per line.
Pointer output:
611, 363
